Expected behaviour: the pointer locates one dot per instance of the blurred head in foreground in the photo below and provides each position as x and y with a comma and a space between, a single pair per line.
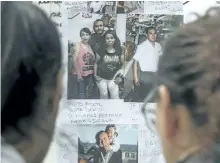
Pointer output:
188, 96
30, 81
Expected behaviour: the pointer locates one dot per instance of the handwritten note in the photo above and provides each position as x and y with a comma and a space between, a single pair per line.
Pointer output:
102, 112
163, 7
75, 6
149, 150
137, 117
136, 112
95, 112
46, 2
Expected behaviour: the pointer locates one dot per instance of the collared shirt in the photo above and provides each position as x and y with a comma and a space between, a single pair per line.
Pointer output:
148, 55
107, 156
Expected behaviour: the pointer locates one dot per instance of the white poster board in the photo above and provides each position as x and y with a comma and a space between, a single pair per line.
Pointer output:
81, 119
163, 7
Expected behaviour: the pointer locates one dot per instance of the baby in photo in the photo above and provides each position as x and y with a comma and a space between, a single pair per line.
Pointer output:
113, 137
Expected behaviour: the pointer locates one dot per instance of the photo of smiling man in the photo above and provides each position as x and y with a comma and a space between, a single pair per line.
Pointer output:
97, 37
148, 33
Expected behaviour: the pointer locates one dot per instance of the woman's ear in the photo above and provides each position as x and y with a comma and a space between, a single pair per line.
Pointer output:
163, 96
165, 113
57, 93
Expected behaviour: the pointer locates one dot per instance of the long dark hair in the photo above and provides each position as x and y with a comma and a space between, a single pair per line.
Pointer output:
30, 62
86, 30
117, 44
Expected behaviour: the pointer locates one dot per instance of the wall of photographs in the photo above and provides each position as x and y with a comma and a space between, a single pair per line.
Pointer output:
110, 54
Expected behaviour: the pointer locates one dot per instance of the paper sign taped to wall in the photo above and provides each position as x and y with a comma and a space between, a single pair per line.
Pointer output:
163, 7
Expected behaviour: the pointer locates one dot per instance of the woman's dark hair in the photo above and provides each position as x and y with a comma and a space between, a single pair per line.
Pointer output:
30, 62
130, 49
190, 69
86, 30
111, 126
117, 44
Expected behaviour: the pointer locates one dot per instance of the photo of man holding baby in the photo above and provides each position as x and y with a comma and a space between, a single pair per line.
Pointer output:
108, 145
97, 58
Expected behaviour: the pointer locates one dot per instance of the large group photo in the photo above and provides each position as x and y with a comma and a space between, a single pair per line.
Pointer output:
108, 144
145, 37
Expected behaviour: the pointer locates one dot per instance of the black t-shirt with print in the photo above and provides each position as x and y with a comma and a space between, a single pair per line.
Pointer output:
108, 65
96, 42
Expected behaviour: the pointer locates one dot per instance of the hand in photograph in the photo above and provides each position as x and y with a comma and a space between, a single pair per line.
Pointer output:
136, 80
119, 72
97, 78
79, 79
118, 80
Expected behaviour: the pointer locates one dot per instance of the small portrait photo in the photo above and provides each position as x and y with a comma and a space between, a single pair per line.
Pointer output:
108, 144
145, 36
95, 57
134, 7
102, 7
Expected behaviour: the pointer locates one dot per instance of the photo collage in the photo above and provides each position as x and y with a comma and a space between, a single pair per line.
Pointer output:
112, 51
105, 54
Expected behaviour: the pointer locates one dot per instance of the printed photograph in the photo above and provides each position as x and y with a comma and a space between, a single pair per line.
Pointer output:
108, 144
101, 7
96, 62
133, 7
145, 36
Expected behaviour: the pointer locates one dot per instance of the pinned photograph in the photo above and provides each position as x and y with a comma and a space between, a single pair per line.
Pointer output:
102, 7
95, 57
145, 36
134, 7
108, 144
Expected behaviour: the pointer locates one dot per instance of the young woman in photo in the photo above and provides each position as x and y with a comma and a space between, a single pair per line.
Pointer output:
84, 60
109, 61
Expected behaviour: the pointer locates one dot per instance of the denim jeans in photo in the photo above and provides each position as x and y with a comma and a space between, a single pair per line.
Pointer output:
85, 87
106, 86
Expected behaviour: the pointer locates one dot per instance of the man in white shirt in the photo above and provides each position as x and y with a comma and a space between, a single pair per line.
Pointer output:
146, 56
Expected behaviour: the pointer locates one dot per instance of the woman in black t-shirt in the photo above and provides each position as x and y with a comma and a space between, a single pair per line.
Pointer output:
109, 61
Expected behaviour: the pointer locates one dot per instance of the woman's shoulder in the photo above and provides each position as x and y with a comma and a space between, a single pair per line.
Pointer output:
78, 44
